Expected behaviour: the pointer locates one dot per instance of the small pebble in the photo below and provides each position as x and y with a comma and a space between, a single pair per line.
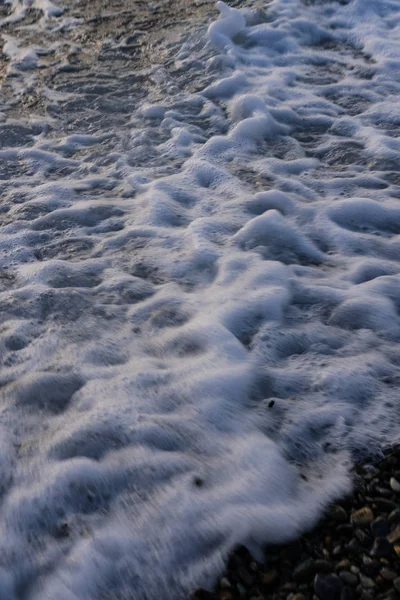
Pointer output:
396, 584
395, 485
270, 577
370, 472
354, 569
394, 516
367, 595
345, 530
327, 587
337, 513
366, 582
392, 595
323, 566
241, 589
362, 517
387, 574
384, 504
385, 492
381, 548
304, 570
394, 535
361, 536
380, 527
354, 547
347, 594
348, 578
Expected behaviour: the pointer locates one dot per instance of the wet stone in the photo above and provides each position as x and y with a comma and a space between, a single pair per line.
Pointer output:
345, 530
323, 566
387, 574
395, 485
338, 514
270, 577
380, 527
394, 516
381, 548
396, 584
348, 578
362, 517
304, 570
384, 504
347, 594
366, 582
327, 587
394, 535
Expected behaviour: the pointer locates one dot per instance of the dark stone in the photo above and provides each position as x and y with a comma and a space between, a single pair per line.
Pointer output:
349, 578
293, 551
384, 504
323, 566
392, 595
372, 569
304, 571
380, 527
345, 530
347, 594
243, 554
198, 481
385, 492
354, 547
394, 516
381, 548
396, 584
363, 537
327, 587
270, 579
245, 576
338, 514
367, 595
271, 403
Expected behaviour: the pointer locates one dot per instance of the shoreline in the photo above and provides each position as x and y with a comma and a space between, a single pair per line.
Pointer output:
352, 553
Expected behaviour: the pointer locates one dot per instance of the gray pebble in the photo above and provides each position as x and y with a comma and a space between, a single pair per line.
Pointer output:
348, 578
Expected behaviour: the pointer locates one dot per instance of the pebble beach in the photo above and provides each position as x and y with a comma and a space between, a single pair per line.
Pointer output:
354, 551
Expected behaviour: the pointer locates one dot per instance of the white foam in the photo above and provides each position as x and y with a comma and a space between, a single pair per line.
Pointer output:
240, 246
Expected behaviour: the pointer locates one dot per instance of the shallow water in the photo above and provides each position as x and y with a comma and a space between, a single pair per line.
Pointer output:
199, 283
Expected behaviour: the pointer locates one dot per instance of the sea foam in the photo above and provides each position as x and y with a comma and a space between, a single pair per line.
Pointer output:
199, 334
